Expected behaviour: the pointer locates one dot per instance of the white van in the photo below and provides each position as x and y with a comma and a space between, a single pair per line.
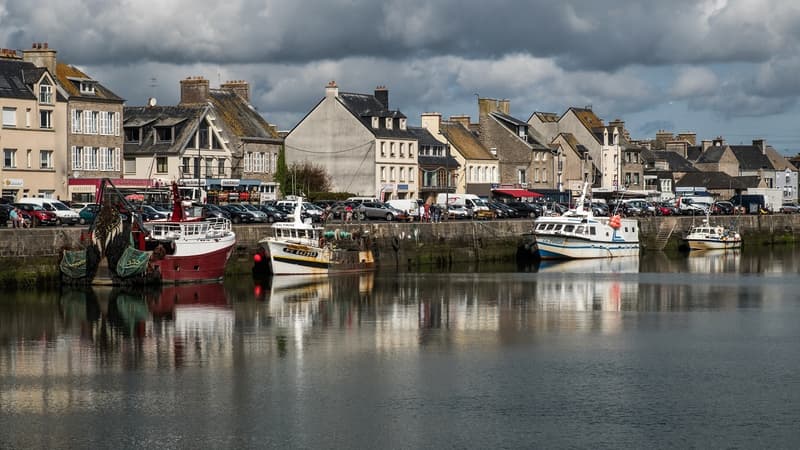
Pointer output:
480, 209
64, 214
363, 200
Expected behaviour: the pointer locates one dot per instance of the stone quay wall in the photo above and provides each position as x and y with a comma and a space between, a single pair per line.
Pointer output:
32, 253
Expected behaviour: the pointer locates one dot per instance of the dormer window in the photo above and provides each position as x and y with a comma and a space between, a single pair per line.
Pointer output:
46, 94
164, 134
87, 87
376, 122
402, 124
388, 123
133, 135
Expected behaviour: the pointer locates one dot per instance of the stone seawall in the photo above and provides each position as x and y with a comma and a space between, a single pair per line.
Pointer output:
33, 252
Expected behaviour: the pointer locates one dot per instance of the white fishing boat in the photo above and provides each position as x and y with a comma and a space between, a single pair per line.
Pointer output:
580, 234
302, 248
708, 236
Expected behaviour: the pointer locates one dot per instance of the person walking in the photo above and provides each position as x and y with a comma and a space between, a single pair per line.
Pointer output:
14, 216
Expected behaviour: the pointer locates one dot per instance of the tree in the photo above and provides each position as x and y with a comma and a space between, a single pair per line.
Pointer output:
305, 177
281, 172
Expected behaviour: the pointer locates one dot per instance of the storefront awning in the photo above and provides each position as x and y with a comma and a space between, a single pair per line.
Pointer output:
517, 193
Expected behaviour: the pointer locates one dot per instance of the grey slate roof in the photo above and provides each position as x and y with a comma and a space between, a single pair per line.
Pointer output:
16, 77
424, 137
712, 154
714, 180
676, 162
751, 158
186, 119
366, 106
535, 140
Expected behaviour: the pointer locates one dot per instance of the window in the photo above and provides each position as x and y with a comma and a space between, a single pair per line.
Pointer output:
402, 149
410, 175
544, 156
221, 167
536, 175
45, 120
163, 134
544, 175
376, 122
28, 117
410, 150
28, 158
46, 94
383, 149
209, 166
391, 174
536, 156
91, 158
402, 174
46, 159
87, 87
9, 158
78, 158
186, 163
383, 173
130, 166
161, 164
77, 120
522, 176
391, 150
635, 178
627, 178
90, 122
388, 123
9, 117
133, 134
203, 135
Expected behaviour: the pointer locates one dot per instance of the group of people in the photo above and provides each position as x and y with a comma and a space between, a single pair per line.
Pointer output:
432, 213
17, 219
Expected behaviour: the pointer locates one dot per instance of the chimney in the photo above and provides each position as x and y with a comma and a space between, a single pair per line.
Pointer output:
432, 122
331, 90
462, 119
760, 145
7, 53
691, 138
382, 94
704, 144
620, 124
194, 90
504, 106
40, 55
490, 105
719, 142
239, 87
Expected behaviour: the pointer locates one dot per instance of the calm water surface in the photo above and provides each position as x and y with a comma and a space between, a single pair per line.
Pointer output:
698, 351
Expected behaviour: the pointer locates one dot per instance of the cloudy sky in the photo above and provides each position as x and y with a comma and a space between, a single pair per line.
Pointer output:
715, 67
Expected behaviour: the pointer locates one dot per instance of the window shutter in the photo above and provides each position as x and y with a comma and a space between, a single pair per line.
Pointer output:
116, 158
116, 124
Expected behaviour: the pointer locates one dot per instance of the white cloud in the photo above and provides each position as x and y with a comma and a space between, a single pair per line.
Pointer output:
693, 82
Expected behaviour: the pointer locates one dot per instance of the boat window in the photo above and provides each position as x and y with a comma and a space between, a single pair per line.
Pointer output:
557, 227
569, 228
550, 226
579, 230
593, 231
540, 227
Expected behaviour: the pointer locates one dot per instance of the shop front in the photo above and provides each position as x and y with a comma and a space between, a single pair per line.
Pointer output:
85, 190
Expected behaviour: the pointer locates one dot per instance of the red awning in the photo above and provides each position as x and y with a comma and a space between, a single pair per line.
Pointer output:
517, 193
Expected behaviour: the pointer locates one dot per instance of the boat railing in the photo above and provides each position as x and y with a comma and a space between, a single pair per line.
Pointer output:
213, 227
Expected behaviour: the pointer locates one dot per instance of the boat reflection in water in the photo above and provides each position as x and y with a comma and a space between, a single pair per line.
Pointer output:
304, 299
586, 284
714, 261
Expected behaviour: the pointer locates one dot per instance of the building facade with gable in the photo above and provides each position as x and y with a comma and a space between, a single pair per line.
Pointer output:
33, 136
365, 147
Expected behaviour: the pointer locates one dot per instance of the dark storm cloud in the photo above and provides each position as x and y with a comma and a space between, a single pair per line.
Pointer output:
733, 57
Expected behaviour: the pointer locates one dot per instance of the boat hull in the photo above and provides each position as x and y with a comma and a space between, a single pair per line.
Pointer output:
556, 247
209, 266
296, 259
713, 244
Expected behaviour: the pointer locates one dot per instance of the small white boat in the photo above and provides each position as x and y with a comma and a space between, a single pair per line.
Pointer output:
301, 248
707, 236
579, 234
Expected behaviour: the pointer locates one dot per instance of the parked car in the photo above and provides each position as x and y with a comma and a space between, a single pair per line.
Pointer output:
37, 214
509, 211
148, 213
273, 214
458, 212
260, 216
88, 213
379, 210
789, 208
238, 214
726, 208
526, 209
212, 210
667, 209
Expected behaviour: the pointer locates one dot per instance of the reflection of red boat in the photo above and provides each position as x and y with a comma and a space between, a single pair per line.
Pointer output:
163, 303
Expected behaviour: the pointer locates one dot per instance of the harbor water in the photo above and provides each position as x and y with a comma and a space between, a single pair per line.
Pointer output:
662, 351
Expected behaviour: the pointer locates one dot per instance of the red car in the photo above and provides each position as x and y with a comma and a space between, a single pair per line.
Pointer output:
36, 214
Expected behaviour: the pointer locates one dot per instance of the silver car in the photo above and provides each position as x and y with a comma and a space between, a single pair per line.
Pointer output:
260, 216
